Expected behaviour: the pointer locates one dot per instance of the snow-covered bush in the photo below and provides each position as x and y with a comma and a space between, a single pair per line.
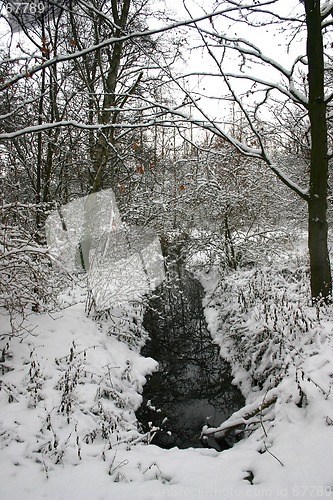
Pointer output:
70, 390
28, 280
70, 383
259, 317
280, 350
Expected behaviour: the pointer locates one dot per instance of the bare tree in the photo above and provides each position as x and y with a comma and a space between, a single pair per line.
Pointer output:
251, 78
254, 80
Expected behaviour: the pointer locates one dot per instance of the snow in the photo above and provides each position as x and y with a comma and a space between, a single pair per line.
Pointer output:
326, 7
123, 263
71, 386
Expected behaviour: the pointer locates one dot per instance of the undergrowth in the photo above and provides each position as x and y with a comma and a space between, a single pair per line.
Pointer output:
261, 318
80, 403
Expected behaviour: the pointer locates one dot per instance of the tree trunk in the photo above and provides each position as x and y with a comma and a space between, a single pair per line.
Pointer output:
321, 281
101, 149
105, 139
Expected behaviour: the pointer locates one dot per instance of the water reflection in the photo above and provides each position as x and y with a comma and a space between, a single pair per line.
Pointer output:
193, 384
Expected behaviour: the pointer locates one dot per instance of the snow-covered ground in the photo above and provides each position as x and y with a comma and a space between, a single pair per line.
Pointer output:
70, 388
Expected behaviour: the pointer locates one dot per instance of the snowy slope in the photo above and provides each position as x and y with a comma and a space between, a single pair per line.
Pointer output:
70, 389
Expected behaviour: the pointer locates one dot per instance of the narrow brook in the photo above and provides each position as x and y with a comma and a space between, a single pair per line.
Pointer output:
193, 385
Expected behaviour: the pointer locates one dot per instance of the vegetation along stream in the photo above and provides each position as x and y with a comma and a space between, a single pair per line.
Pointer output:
193, 384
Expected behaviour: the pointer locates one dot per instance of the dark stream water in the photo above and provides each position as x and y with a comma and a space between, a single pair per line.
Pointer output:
193, 385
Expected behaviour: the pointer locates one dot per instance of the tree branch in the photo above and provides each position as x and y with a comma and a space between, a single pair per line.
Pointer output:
241, 417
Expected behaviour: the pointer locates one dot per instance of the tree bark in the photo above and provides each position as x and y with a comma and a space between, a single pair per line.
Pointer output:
321, 280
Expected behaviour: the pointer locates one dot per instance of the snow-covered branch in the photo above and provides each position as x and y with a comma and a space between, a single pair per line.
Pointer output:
241, 417
105, 43
326, 9
72, 123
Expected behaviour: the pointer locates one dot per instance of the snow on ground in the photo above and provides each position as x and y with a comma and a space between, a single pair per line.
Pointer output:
70, 389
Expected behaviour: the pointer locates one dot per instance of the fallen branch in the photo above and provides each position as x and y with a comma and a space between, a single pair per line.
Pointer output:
240, 417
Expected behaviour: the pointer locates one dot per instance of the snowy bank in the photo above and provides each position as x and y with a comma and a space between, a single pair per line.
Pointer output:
70, 388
